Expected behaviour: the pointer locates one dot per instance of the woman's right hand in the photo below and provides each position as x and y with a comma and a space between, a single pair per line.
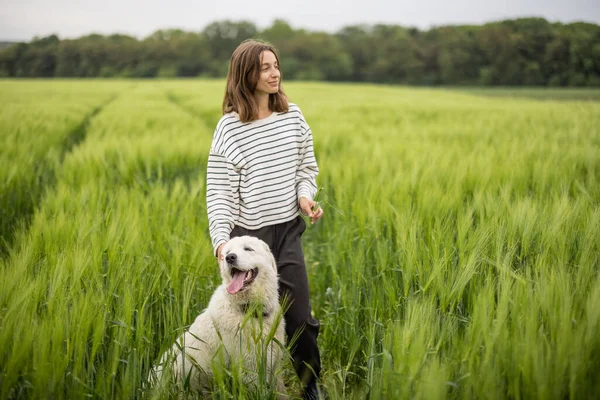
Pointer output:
219, 254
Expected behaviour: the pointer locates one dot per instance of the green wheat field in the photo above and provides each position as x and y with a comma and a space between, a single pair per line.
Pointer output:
458, 256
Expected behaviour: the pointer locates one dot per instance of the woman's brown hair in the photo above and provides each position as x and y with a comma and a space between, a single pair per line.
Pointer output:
242, 77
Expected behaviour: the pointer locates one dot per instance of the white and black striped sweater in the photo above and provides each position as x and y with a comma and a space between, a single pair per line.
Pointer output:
257, 171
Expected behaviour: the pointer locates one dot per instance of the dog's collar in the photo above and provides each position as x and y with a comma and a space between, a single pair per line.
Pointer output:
245, 307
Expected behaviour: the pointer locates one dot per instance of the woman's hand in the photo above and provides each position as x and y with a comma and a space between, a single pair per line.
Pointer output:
307, 205
219, 254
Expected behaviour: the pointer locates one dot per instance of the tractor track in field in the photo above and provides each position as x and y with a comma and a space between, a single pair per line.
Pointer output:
173, 100
79, 134
19, 218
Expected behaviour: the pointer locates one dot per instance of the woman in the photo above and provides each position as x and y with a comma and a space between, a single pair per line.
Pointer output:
261, 173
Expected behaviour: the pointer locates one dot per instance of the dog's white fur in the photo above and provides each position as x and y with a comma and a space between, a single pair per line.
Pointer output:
225, 331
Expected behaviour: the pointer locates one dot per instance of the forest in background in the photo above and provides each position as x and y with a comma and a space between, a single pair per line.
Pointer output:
519, 52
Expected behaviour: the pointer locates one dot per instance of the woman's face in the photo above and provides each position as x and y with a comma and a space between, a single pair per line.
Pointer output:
268, 81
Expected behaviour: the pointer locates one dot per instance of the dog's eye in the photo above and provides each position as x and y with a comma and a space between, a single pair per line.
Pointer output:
248, 248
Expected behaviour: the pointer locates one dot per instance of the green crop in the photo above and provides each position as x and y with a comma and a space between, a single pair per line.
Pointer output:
457, 258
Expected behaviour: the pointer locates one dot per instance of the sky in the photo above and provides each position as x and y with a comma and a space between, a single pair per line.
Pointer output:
21, 20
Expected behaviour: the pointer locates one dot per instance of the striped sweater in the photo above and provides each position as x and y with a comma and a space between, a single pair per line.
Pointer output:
257, 171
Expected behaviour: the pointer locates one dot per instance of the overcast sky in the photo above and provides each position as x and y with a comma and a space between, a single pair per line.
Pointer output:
24, 19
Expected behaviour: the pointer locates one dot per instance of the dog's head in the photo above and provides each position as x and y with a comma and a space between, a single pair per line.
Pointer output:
248, 268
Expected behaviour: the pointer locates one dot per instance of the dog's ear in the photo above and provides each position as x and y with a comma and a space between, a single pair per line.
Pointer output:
271, 257
265, 246
273, 262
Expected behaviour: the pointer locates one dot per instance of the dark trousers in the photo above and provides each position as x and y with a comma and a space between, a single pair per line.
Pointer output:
285, 244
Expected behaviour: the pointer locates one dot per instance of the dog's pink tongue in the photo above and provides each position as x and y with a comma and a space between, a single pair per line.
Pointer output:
237, 283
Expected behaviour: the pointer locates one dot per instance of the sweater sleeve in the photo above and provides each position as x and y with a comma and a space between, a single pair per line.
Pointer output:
306, 176
222, 197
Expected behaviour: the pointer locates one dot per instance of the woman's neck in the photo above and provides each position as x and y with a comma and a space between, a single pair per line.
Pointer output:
263, 105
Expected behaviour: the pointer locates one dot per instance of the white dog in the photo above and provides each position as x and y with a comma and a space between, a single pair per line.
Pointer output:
239, 324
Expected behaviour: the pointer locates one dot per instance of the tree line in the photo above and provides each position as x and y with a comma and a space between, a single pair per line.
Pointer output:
526, 51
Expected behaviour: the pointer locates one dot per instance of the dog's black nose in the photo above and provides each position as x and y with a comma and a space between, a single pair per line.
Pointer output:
231, 258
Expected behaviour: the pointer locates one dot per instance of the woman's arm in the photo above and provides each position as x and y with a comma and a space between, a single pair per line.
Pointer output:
306, 175
222, 198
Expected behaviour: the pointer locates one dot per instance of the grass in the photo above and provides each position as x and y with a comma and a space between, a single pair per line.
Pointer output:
537, 93
38, 126
463, 263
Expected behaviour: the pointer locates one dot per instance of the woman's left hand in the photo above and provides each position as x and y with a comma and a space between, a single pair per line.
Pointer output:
307, 206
